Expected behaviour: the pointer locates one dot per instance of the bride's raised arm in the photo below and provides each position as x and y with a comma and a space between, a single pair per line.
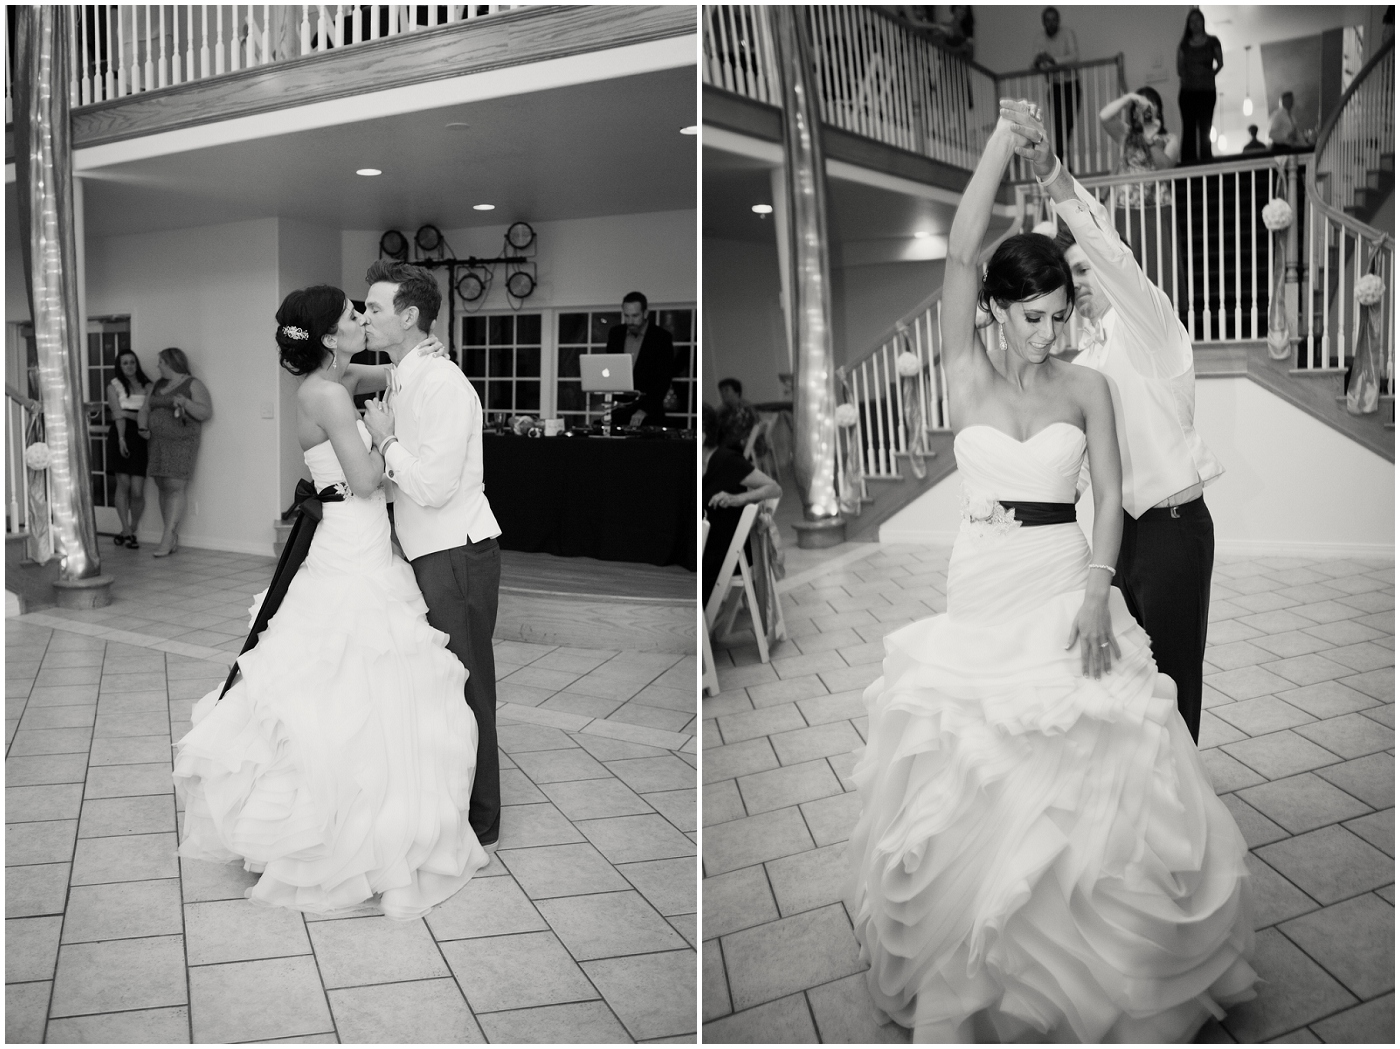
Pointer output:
963, 355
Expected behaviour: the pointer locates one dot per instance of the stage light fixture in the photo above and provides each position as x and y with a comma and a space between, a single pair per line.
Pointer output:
428, 238
520, 236
395, 245
520, 284
471, 287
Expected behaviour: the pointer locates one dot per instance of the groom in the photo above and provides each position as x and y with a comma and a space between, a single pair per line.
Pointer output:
430, 437
1136, 340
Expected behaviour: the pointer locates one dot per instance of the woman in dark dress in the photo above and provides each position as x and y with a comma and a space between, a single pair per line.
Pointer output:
126, 448
728, 484
174, 414
1198, 59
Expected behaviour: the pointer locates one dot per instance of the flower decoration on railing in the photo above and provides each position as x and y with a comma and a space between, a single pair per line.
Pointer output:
1370, 290
1277, 214
846, 415
36, 456
1363, 386
907, 365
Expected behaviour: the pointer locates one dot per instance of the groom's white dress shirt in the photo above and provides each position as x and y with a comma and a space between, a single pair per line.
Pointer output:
435, 466
1145, 352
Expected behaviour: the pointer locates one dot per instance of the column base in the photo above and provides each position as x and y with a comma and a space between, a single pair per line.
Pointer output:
818, 535
93, 592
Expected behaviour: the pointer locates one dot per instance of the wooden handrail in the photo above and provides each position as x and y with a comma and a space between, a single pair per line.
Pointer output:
1337, 215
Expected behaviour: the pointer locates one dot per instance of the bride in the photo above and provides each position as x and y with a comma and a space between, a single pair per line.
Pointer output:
340, 764
1039, 855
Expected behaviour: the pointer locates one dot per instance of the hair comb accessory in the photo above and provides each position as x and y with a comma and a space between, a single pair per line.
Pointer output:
293, 332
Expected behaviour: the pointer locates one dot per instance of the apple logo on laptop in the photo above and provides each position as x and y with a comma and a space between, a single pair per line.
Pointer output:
607, 374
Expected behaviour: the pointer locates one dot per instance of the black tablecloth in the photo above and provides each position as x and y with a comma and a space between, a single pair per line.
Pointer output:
616, 499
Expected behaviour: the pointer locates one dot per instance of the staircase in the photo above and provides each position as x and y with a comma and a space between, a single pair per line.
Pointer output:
1378, 186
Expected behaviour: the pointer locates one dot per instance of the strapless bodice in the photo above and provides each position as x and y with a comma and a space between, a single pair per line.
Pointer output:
1044, 468
325, 467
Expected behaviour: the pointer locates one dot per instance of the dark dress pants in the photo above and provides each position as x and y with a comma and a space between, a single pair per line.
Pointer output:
1164, 567
1197, 114
462, 589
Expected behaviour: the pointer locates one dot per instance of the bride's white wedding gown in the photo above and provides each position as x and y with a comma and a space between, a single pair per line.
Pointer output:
340, 765
1040, 855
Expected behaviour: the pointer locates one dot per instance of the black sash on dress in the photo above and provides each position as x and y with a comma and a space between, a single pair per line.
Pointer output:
1032, 514
308, 504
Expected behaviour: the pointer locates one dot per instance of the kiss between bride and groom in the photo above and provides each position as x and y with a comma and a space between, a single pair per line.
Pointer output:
342, 763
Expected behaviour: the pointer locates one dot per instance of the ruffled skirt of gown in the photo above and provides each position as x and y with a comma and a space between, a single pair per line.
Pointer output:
1040, 855
340, 765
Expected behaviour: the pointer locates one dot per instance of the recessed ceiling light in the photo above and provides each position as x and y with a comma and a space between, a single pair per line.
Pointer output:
369, 171
763, 209
691, 130
483, 207
458, 125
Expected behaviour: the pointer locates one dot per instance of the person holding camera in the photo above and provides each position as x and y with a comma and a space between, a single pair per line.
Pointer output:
1135, 123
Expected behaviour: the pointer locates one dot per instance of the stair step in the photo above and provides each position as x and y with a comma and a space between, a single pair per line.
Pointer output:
1317, 373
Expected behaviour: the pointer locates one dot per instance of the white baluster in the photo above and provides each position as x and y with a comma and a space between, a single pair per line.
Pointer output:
1326, 291
219, 65
1190, 266
1254, 254
162, 71
149, 75
87, 85
306, 29
374, 21
267, 35
121, 51
339, 25
74, 90
250, 47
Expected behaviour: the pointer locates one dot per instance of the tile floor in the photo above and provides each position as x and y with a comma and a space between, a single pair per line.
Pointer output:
1298, 739
581, 929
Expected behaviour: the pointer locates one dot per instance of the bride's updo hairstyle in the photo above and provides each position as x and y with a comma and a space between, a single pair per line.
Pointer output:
305, 317
1024, 267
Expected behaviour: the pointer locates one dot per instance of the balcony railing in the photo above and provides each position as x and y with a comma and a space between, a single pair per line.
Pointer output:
884, 79
1199, 235
127, 49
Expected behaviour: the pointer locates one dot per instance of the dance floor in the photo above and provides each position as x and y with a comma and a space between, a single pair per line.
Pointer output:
581, 929
1298, 738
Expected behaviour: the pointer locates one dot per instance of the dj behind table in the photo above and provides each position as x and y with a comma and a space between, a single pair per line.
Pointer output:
625, 495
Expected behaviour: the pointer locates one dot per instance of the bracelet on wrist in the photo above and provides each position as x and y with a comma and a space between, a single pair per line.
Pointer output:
1054, 174
384, 446
1107, 568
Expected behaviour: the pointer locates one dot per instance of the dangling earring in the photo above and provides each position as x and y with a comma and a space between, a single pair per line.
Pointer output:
1001, 338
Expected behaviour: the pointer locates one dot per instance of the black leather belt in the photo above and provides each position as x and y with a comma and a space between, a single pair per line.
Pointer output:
1033, 514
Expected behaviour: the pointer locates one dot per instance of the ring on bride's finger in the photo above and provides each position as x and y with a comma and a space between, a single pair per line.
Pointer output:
1103, 644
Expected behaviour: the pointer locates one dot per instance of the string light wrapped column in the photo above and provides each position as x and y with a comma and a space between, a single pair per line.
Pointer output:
44, 180
814, 372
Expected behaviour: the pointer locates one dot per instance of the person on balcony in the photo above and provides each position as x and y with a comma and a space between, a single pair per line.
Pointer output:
1198, 59
126, 448
1059, 47
1254, 145
1284, 135
1039, 856
1135, 123
1168, 550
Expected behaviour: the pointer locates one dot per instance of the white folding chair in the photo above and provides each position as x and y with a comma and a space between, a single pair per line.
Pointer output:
727, 580
710, 679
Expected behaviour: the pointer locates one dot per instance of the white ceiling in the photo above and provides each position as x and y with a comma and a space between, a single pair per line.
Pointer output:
603, 148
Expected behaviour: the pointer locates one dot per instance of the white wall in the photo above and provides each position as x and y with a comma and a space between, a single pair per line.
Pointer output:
579, 262
1293, 486
743, 335
212, 292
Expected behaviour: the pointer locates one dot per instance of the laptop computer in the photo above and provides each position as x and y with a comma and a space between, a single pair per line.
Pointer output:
606, 372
